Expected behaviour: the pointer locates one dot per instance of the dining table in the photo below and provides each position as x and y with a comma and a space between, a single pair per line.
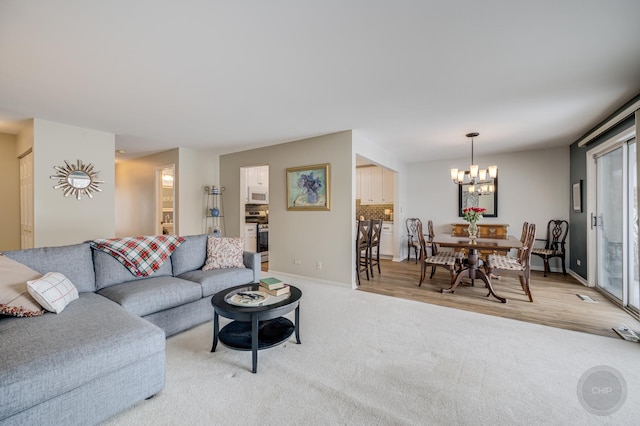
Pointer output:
472, 269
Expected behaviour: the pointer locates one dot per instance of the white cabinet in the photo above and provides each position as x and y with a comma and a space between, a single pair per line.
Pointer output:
374, 185
387, 186
386, 239
250, 237
258, 176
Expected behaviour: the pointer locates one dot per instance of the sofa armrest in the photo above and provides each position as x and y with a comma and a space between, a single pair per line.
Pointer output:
252, 261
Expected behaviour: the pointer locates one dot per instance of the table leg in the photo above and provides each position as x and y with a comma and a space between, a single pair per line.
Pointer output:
216, 327
473, 273
298, 324
254, 342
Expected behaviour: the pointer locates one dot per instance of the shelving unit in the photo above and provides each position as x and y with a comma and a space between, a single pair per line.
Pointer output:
214, 221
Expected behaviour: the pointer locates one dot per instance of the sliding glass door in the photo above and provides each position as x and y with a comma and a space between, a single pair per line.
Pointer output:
609, 219
616, 223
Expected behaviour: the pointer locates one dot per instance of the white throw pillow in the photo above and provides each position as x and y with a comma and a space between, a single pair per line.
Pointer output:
53, 291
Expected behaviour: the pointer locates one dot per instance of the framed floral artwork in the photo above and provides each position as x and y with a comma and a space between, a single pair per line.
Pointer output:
308, 187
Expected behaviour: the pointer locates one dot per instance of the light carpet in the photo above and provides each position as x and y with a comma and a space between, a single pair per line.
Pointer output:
367, 359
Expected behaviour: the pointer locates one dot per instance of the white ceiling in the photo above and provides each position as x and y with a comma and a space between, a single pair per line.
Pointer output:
413, 75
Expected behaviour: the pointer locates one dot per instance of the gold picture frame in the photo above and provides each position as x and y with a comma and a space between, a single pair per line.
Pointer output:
309, 187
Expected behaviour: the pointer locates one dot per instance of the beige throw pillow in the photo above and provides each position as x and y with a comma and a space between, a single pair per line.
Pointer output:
15, 299
224, 253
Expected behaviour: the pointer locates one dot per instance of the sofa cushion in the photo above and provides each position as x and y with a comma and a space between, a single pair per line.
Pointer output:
143, 297
219, 279
53, 291
74, 261
109, 271
224, 253
50, 355
15, 299
190, 255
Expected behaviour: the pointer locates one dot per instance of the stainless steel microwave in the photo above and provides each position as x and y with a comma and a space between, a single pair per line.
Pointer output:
258, 195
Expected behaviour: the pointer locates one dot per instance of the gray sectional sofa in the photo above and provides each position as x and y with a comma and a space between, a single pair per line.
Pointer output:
106, 351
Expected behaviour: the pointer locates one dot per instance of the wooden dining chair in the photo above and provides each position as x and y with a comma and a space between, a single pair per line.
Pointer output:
500, 264
413, 242
445, 259
554, 244
374, 245
362, 248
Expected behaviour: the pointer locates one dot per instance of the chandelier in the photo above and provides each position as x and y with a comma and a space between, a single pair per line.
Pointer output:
479, 181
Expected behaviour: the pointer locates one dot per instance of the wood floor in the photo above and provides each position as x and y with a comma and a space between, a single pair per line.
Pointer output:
555, 300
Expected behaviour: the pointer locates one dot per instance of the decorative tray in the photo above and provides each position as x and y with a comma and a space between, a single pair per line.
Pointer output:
248, 298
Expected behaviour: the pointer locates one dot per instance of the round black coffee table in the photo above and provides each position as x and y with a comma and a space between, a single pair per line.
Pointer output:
255, 327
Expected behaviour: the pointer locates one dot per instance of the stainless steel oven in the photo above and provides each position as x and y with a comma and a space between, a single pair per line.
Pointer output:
263, 242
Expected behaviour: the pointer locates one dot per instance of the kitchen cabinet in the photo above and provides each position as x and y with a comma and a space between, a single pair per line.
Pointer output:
258, 176
374, 185
386, 239
250, 237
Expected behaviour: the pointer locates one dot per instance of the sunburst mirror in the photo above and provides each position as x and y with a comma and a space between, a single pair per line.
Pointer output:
77, 179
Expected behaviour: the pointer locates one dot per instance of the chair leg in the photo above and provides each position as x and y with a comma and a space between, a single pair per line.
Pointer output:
524, 282
423, 272
546, 266
564, 268
416, 253
433, 271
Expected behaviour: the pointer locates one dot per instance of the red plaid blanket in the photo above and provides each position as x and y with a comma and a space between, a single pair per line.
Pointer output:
141, 255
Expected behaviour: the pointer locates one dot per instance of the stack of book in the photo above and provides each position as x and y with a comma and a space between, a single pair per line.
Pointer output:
274, 286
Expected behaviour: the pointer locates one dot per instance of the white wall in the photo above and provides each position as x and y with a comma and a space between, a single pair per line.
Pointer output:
533, 186
60, 220
9, 193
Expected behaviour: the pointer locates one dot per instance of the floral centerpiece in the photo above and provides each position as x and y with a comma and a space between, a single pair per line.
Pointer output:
473, 215
310, 185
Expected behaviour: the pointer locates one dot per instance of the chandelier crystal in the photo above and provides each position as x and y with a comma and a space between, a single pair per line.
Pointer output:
479, 181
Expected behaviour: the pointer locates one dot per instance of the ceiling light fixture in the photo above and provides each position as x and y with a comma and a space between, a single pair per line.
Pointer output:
480, 181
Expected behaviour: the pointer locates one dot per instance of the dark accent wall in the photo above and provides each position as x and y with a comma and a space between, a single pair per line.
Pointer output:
579, 222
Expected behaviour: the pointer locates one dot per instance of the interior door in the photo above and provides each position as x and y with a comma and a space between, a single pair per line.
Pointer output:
26, 201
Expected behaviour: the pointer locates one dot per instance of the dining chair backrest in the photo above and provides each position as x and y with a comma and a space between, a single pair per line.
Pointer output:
421, 240
525, 228
432, 234
557, 231
525, 253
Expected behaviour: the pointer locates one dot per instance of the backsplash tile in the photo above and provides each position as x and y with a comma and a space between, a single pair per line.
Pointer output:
374, 211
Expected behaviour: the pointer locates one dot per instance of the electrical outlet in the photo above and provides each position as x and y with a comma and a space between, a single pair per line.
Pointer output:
578, 262
319, 265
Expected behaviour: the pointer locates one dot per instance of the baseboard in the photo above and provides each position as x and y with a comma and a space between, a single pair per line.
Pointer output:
305, 278
579, 278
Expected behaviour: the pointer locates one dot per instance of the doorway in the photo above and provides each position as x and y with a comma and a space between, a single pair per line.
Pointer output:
165, 200
613, 244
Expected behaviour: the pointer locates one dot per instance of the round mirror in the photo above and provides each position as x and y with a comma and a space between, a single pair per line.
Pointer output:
79, 179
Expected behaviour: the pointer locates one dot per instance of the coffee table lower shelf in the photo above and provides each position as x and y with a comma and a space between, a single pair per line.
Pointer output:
237, 334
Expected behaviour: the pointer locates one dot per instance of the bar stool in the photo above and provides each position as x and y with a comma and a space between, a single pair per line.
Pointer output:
363, 236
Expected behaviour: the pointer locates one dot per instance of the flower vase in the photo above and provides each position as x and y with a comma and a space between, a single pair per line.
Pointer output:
312, 197
473, 230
